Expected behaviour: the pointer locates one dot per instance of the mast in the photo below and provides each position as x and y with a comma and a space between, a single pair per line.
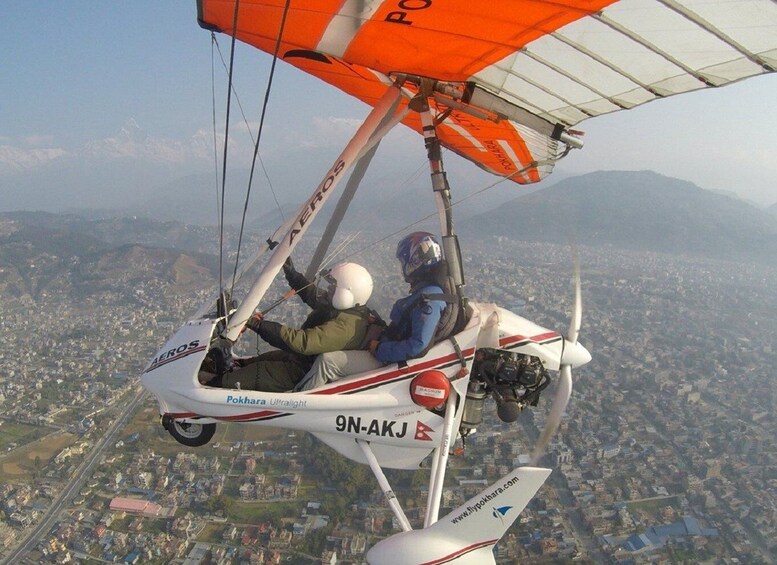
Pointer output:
441, 188
365, 138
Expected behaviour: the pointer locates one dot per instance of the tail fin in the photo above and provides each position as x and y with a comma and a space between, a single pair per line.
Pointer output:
493, 510
467, 535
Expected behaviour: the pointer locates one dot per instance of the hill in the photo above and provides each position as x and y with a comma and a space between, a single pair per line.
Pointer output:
110, 230
45, 254
73, 255
635, 210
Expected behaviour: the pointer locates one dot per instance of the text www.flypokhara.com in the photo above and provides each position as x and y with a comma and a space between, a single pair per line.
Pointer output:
486, 498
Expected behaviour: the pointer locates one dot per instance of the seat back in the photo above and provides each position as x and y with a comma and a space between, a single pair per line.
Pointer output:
454, 318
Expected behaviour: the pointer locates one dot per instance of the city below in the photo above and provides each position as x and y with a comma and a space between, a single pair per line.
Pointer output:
666, 453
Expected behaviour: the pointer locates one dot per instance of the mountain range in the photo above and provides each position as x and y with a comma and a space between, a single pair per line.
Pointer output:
632, 210
635, 210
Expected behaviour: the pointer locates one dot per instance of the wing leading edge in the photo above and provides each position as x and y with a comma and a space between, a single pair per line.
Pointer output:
559, 63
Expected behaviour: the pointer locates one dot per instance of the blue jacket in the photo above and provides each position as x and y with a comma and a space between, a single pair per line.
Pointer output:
413, 323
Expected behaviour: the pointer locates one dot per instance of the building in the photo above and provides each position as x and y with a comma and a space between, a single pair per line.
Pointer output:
135, 506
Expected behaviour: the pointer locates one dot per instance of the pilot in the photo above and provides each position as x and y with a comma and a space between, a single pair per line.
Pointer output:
414, 319
339, 320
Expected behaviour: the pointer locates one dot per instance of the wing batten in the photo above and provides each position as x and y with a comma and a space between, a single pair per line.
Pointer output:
617, 71
701, 22
576, 79
625, 69
655, 49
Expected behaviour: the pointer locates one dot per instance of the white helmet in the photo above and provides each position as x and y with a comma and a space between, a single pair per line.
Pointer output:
349, 285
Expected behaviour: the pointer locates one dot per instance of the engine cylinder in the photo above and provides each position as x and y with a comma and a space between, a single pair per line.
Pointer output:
473, 405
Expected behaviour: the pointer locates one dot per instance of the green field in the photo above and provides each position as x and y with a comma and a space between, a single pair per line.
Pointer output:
654, 505
258, 512
20, 434
31, 458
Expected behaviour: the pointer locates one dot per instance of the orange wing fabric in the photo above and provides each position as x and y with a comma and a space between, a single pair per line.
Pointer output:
562, 61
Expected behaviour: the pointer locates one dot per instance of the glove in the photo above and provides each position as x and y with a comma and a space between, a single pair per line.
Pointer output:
288, 266
254, 322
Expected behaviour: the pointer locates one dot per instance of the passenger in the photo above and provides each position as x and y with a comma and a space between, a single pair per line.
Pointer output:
414, 319
339, 321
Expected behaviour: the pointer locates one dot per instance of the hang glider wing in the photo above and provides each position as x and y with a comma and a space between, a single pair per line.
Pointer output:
517, 73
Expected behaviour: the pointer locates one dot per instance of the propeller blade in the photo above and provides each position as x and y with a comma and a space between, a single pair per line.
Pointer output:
577, 311
560, 401
564, 387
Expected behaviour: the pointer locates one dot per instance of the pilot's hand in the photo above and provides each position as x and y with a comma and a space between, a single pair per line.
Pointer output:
373, 346
288, 266
255, 321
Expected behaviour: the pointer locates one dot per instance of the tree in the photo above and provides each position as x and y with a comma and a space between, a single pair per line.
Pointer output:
219, 503
36, 467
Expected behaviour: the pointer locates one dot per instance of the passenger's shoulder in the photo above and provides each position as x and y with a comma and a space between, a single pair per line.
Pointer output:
432, 293
430, 288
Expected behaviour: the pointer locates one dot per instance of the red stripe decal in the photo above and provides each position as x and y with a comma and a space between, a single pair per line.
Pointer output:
386, 377
178, 415
250, 415
176, 358
238, 418
536, 339
459, 553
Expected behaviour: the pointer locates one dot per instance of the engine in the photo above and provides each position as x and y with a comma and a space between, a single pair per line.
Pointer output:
513, 380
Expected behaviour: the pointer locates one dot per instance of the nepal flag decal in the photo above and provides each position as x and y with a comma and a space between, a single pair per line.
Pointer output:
420, 431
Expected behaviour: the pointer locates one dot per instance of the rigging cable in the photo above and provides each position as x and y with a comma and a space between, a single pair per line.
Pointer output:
248, 127
342, 246
259, 137
215, 137
224, 164
433, 214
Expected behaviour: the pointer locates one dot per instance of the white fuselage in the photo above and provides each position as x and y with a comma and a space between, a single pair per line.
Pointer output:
375, 406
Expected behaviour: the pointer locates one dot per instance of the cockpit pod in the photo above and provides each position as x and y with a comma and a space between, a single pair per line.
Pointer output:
374, 406
395, 407
172, 373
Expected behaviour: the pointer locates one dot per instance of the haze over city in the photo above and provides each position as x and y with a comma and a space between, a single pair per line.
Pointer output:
104, 100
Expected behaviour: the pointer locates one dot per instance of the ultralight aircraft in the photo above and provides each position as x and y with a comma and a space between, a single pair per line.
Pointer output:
501, 84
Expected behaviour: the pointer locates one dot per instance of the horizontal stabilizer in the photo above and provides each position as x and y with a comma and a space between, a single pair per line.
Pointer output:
466, 535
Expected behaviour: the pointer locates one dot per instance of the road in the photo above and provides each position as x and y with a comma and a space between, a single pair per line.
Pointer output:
76, 483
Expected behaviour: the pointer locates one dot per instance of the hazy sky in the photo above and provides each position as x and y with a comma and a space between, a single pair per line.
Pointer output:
91, 89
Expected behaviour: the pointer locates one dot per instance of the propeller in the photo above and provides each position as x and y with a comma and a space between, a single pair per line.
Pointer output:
572, 354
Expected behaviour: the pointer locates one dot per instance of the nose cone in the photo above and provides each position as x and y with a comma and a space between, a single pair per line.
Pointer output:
574, 355
148, 382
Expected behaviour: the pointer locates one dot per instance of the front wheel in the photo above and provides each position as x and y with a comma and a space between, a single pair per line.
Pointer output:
193, 435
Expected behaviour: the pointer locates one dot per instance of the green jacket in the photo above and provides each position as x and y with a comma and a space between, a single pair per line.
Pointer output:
325, 329
344, 329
